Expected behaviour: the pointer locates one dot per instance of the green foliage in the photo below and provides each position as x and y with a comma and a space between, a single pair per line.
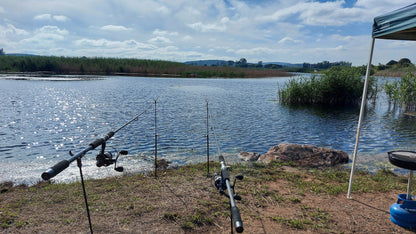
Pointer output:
403, 91
338, 86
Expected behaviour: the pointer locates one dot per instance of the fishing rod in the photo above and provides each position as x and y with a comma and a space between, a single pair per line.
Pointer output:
103, 158
222, 183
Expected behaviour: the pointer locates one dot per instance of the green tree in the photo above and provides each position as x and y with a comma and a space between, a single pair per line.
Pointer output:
391, 63
404, 62
242, 62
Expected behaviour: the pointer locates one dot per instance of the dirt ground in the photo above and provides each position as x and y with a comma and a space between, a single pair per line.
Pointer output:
187, 202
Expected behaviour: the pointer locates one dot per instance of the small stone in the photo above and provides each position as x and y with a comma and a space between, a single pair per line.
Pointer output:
248, 156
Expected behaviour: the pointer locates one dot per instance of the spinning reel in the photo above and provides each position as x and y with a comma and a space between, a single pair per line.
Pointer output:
221, 185
105, 158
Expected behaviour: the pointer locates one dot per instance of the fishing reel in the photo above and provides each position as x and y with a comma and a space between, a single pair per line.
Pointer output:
221, 185
105, 158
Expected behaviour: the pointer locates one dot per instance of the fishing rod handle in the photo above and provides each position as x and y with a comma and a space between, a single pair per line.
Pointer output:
224, 171
238, 223
55, 170
100, 141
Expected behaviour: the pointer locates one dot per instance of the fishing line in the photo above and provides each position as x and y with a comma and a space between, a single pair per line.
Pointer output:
214, 133
135, 118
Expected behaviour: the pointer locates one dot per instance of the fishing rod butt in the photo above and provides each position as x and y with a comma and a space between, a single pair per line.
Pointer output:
55, 170
238, 223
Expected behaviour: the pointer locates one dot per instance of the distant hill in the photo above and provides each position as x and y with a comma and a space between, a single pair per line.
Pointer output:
221, 63
283, 64
208, 63
15, 54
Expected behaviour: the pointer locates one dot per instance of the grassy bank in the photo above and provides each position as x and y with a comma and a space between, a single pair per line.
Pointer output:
276, 198
133, 67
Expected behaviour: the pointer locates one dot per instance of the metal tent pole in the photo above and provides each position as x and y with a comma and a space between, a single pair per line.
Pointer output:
363, 102
409, 186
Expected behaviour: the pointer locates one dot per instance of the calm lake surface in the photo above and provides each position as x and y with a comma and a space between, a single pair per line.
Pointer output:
42, 119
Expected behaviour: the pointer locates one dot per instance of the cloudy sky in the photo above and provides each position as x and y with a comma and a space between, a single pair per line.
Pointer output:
293, 31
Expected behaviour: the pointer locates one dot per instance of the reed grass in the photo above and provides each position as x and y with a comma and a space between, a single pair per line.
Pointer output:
338, 86
125, 66
402, 92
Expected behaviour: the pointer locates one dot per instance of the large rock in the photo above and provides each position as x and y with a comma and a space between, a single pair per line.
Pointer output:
248, 156
305, 155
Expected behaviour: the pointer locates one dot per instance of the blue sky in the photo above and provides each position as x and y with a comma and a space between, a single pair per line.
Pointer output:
293, 31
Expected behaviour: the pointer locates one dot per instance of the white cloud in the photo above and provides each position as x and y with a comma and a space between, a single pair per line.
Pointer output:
164, 33
187, 38
49, 29
43, 17
45, 37
318, 13
201, 27
181, 30
11, 30
255, 51
160, 39
104, 43
115, 28
49, 17
60, 18
286, 40
163, 10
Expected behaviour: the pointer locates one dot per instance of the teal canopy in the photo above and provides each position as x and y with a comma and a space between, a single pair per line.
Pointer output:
397, 25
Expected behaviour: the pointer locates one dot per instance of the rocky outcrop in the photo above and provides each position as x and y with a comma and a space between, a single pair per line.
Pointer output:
305, 155
248, 156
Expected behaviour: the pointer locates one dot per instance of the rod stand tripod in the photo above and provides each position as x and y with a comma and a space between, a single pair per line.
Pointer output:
79, 163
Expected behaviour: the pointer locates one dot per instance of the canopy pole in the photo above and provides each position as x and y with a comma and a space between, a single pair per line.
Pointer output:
363, 102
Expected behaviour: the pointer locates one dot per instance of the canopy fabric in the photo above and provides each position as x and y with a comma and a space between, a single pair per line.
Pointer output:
396, 25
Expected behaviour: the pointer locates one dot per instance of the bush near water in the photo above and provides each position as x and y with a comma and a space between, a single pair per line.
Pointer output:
338, 86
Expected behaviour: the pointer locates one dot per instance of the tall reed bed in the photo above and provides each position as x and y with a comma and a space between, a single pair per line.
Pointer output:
125, 66
338, 86
402, 92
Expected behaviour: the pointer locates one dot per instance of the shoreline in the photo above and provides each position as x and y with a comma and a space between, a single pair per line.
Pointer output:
369, 163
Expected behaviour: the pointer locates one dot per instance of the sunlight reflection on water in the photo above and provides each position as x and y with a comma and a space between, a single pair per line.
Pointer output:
43, 119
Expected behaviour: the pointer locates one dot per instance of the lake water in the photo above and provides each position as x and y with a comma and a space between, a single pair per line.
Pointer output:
42, 119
